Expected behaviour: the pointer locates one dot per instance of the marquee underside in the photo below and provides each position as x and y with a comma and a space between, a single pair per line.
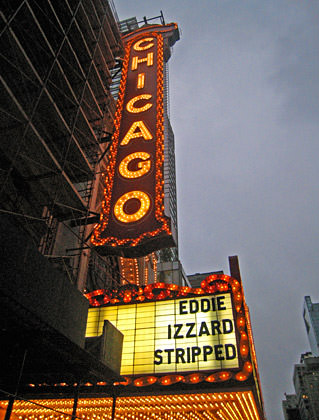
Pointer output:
238, 405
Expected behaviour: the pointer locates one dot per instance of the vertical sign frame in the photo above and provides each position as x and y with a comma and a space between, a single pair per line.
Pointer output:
133, 220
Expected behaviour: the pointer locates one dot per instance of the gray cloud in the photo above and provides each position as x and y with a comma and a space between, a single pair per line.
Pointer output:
297, 57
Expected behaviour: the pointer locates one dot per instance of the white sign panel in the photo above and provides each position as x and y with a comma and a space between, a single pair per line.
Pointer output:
173, 336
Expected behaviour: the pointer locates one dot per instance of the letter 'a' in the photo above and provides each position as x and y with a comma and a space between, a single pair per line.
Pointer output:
132, 133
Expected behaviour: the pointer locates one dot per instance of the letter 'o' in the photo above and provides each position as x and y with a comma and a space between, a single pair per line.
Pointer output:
145, 204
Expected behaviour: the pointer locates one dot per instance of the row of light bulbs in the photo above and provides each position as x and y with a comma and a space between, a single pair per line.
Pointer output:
232, 405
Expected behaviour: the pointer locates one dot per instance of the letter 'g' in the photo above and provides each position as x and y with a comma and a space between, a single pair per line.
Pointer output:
144, 166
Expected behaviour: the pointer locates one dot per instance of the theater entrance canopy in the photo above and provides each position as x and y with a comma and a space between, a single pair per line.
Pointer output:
188, 353
184, 406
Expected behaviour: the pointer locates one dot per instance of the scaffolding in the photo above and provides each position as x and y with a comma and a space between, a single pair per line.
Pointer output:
56, 120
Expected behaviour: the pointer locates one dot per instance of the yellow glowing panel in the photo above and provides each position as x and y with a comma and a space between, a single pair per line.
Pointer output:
145, 324
181, 335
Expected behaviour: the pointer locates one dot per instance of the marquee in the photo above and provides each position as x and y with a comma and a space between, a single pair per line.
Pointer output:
173, 336
174, 333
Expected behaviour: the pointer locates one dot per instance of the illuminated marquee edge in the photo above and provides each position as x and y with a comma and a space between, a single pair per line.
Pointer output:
163, 291
243, 405
96, 239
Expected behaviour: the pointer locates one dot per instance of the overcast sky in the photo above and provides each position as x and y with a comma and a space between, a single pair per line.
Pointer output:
244, 100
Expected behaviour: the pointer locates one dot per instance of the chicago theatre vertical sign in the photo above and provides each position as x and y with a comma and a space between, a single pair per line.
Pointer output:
134, 220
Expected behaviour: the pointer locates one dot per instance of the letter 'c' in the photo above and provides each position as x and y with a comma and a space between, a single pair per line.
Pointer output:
119, 212
137, 45
133, 109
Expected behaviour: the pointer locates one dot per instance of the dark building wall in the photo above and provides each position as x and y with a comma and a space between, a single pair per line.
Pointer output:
311, 319
196, 279
290, 407
306, 383
28, 279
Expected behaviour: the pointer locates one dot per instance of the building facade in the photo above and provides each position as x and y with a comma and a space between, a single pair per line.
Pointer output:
290, 407
311, 319
304, 404
306, 384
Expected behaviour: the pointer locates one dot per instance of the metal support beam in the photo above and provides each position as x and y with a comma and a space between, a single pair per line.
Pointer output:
13, 397
9, 408
113, 406
75, 402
